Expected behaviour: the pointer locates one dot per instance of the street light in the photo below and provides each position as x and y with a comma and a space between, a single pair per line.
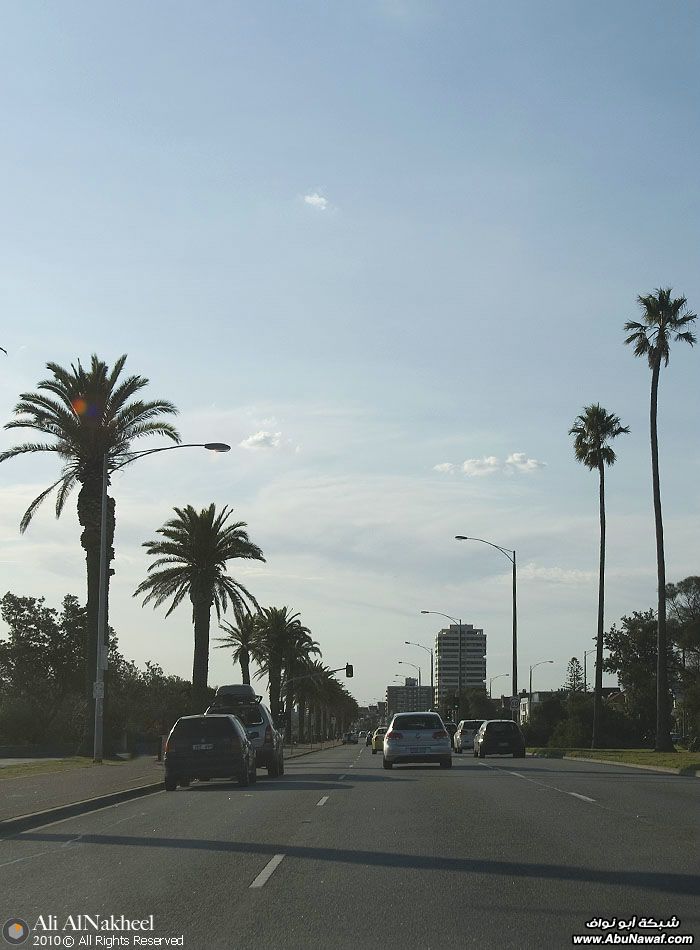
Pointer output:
415, 667
511, 557
98, 686
459, 646
529, 694
410, 643
498, 675
585, 683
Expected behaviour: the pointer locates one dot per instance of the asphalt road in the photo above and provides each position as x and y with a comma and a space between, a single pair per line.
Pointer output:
495, 853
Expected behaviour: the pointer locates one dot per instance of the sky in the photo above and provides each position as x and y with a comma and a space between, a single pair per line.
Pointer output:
385, 250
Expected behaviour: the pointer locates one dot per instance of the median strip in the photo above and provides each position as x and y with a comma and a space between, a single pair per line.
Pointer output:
267, 872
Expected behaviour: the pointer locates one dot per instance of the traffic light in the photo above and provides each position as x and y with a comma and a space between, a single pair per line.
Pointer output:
348, 670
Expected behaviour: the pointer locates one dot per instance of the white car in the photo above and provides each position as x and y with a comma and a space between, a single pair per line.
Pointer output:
417, 737
464, 737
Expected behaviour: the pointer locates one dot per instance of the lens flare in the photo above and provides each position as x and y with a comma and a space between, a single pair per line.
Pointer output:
79, 405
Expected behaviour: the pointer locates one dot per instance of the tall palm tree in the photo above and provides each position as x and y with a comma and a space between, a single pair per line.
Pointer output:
299, 650
594, 429
278, 627
242, 639
191, 562
92, 415
663, 317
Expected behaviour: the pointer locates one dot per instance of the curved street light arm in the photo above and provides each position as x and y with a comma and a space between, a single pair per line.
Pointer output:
212, 446
509, 553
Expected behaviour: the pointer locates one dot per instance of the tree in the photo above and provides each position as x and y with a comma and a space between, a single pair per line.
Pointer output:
278, 629
242, 639
593, 430
191, 562
299, 650
683, 601
663, 317
574, 677
92, 416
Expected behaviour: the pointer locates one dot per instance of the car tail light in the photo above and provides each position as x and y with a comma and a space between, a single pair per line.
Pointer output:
268, 736
394, 735
440, 734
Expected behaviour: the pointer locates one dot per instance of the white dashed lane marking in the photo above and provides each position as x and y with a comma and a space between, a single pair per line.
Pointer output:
341, 776
322, 802
584, 798
526, 778
267, 872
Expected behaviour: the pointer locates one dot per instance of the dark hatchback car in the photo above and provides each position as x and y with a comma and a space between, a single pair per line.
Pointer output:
499, 737
206, 747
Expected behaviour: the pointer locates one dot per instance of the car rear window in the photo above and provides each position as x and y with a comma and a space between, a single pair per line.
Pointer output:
207, 726
502, 728
249, 715
417, 722
472, 724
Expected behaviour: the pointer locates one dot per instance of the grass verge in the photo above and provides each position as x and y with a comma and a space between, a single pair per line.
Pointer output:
52, 765
685, 763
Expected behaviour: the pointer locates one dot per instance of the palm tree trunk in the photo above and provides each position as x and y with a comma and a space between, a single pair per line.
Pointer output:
274, 677
201, 610
244, 660
302, 720
598, 688
663, 732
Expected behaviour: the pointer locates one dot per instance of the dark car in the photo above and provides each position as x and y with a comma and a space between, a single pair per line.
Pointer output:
451, 728
368, 740
499, 737
240, 701
350, 738
206, 747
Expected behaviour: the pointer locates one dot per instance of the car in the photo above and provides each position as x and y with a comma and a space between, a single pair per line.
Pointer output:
464, 737
361, 735
378, 740
499, 737
207, 747
350, 738
451, 728
417, 737
240, 700
368, 739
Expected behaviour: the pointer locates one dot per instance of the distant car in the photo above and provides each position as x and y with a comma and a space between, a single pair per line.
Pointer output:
350, 738
378, 739
368, 739
464, 737
499, 737
207, 747
417, 737
361, 735
240, 701
451, 728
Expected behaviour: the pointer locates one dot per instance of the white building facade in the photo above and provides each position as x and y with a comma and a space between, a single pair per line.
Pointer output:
460, 661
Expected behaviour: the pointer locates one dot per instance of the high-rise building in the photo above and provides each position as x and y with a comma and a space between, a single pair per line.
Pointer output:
407, 698
460, 661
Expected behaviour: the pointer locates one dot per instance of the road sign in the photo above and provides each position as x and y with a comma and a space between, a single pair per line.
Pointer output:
514, 703
98, 690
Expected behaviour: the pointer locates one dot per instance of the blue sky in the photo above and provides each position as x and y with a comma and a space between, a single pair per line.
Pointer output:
391, 235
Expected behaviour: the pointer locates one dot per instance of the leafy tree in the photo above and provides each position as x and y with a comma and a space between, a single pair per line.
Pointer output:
683, 601
191, 562
475, 703
663, 317
594, 429
574, 676
242, 639
91, 416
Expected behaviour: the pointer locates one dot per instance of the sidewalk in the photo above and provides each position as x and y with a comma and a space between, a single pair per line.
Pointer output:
29, 794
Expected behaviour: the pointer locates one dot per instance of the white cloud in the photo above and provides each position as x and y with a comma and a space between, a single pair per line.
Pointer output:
316, 201
445, 468
518, 461
484, 466
262, 440
556, 575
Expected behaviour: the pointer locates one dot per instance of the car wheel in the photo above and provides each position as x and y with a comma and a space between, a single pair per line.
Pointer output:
184, 783
446, 764
482, 754
244, 777
374, 751
204, 778
170, 783
387, 765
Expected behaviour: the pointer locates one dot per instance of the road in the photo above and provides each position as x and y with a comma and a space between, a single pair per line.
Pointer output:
494, 853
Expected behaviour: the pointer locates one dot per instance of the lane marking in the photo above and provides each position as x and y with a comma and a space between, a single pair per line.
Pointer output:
584, 798
323, 801
267, 872
519, 774
341, 776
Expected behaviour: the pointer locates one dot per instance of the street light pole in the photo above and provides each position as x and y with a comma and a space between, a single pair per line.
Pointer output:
98, 689
529, 693
498, 675
427, 650
415, 667
459, 647
510, 554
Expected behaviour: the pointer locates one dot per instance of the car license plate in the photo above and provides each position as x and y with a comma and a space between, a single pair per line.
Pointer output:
203, 747
503, 745
415, 748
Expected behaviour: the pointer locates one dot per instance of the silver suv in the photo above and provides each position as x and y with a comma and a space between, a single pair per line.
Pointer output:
240, 700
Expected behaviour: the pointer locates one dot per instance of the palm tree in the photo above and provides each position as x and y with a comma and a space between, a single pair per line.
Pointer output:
278, 628
191, 562
299, 650
92, 416
242, 639
663, 317
594, 429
